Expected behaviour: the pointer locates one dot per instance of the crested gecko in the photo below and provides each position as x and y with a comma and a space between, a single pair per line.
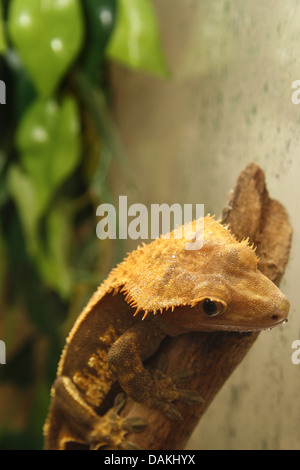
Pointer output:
161, 289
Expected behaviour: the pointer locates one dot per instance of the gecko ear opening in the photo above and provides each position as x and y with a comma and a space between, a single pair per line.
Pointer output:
212, 307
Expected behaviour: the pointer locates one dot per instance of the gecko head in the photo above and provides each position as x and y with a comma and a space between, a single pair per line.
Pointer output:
232, 295
252, 302
215, 287
241, 297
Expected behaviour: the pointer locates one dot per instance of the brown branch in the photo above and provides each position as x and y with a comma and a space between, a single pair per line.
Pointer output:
213, 356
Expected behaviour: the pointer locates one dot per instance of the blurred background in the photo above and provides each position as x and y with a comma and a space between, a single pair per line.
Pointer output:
163, 101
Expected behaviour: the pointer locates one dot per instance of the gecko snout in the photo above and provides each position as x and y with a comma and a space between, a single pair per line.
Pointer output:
280, 311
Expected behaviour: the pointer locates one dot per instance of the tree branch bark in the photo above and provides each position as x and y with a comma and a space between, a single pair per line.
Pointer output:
252, 214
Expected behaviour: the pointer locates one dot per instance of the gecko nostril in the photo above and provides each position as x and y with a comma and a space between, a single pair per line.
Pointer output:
275, 317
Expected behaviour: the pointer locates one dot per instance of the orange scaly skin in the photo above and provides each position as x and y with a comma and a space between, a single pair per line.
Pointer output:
158, 290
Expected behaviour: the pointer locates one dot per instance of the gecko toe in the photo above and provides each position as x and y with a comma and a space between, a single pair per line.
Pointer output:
129, 446
182, 375
119, 402
190, 397
163, 363
134, 424
172, 413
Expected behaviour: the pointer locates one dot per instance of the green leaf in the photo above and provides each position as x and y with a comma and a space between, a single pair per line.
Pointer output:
50, 257
100, 18
48, 35
2, 35
52, 260
27, 202
3, 265
48, 142
4, 196
136, 40
24, 92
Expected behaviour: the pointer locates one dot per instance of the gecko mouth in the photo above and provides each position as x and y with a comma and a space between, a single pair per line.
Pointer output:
245, 328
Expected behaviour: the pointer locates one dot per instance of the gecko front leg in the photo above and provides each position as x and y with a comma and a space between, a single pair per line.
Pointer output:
125, 359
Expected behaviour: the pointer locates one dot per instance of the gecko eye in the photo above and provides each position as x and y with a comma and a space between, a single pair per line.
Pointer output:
212, 308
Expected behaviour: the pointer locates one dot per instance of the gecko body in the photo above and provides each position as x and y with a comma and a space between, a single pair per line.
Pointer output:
161, 289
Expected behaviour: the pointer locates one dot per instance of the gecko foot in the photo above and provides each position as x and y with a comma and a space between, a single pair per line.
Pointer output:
189, 397
167, 391
111, 431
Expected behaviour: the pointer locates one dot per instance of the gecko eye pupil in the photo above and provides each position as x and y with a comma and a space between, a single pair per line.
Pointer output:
210, 307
